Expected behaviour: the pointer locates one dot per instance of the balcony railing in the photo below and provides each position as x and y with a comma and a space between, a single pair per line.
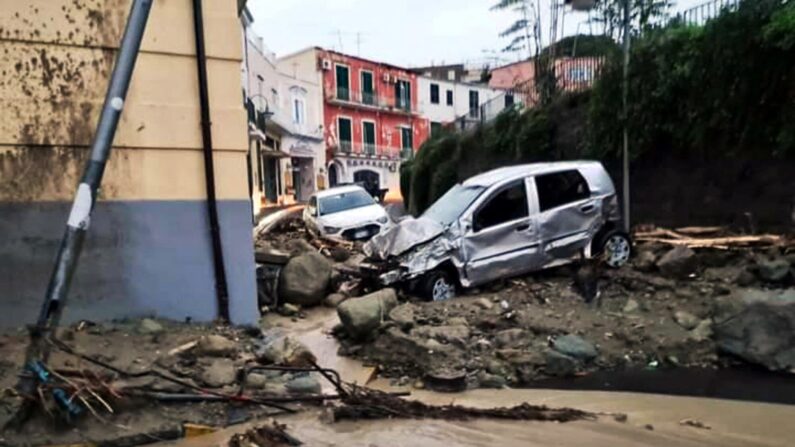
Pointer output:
368, 99
366, 150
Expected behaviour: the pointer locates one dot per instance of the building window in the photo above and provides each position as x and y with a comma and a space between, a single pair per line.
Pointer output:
509, 101
368, 88
449, 97
368, 137
299, 111
451, 75
343, 83
345, 133
436, 129
406, 142
474, 104
403, 95
434, 93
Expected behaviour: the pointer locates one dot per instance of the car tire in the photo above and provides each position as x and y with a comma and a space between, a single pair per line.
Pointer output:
438, 286
614, 248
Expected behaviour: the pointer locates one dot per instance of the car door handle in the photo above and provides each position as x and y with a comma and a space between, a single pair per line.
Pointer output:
587, 208
523, 227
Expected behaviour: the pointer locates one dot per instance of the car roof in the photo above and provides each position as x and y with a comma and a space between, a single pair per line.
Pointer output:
510, 172
338, 190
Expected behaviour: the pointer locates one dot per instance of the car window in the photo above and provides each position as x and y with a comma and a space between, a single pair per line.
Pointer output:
344, 201
453, 203
507, 205
560, 188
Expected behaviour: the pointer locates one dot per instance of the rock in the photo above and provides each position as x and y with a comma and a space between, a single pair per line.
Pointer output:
745, 278
284, 351
759, 327
219, 373
575, 346
560, 365
363, 315
305, 279
255, 380
216, 346
483, 303
288, 310
512, 337
487, 380
149, 326
303, 385
497, 367
632, 306
685, 319
458, 333
678, 262
645, 260
339, 254
457, 321
334, 300
403, 315
775, 270
702, 331
298, 247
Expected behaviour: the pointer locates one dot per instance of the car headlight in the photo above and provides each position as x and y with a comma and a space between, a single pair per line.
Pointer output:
382, 220
331, 230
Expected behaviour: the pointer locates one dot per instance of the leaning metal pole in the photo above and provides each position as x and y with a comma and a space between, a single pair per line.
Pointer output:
625, 99
85, 198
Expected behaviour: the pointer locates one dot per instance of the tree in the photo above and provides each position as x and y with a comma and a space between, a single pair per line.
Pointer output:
610, 14
520, 30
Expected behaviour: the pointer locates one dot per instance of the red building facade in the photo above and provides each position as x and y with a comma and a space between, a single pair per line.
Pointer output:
371, 119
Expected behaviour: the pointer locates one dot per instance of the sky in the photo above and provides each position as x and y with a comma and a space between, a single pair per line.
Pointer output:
408, 33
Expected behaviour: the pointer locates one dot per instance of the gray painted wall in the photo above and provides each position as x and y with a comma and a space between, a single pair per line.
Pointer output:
141, 258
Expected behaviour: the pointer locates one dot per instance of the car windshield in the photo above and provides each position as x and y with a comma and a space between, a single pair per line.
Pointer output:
453, 203
343, 202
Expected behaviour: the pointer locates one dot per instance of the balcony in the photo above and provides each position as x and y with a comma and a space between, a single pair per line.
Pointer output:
369, 151
370, 100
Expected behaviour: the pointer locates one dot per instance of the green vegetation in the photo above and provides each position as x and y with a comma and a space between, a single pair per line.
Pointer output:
726, 89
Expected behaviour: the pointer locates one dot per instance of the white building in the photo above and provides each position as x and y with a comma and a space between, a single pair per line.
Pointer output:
287, 154
443, 102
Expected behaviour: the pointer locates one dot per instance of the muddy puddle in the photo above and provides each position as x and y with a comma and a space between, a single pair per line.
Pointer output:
653, 419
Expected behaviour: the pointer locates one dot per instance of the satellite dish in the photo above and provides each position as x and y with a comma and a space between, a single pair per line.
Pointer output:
581, 5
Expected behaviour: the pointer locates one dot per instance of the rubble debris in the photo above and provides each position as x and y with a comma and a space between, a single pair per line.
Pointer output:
214, 345
363, 403
219, 373
284, 350
575, 346
361, 316
678, 262
686, 319
272, 434
773, 270
759, 327
305, 279
150, 327
694, 423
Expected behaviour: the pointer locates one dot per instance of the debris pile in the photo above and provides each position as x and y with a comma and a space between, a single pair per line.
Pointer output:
268, 435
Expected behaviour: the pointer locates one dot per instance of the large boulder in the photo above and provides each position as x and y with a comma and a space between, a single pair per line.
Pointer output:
759, 327
678, 262
773, 270
575, 347
284, 351
305, 279
216, 346
361, 316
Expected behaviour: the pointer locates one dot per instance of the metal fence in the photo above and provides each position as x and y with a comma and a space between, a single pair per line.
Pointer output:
703, 13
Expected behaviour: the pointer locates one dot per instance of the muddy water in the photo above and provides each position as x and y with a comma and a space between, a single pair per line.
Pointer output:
733, 423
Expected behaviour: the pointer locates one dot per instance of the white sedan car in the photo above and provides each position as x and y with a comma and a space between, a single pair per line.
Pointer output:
346, 212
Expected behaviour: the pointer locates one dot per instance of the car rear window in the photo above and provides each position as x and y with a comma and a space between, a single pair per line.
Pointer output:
561, 188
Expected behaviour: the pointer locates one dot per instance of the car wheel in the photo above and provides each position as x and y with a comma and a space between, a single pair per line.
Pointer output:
615, 248
438, 286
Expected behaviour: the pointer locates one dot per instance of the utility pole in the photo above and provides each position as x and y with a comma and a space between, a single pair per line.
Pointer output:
625, 100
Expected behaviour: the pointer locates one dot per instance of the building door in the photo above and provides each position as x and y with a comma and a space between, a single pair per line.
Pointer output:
368, 137
295, 164
333, 176
474, 104
406, 142
271, 179
345, 133
368, 88
343, 83
369, 180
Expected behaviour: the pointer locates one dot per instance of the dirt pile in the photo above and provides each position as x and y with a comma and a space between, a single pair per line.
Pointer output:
150, 377
660, 312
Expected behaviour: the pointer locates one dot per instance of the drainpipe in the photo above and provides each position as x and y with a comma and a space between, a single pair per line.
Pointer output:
221, 289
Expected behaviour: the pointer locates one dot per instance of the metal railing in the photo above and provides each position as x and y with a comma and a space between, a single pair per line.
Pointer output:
366, 150
703, 13
368, 99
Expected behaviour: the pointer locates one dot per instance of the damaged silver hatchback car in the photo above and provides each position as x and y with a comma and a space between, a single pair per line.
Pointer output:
503, 223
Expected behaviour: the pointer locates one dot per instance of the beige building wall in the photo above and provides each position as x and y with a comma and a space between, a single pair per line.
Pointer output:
148, 250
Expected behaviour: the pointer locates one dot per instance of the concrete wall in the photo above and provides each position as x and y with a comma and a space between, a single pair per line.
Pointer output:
148, 250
